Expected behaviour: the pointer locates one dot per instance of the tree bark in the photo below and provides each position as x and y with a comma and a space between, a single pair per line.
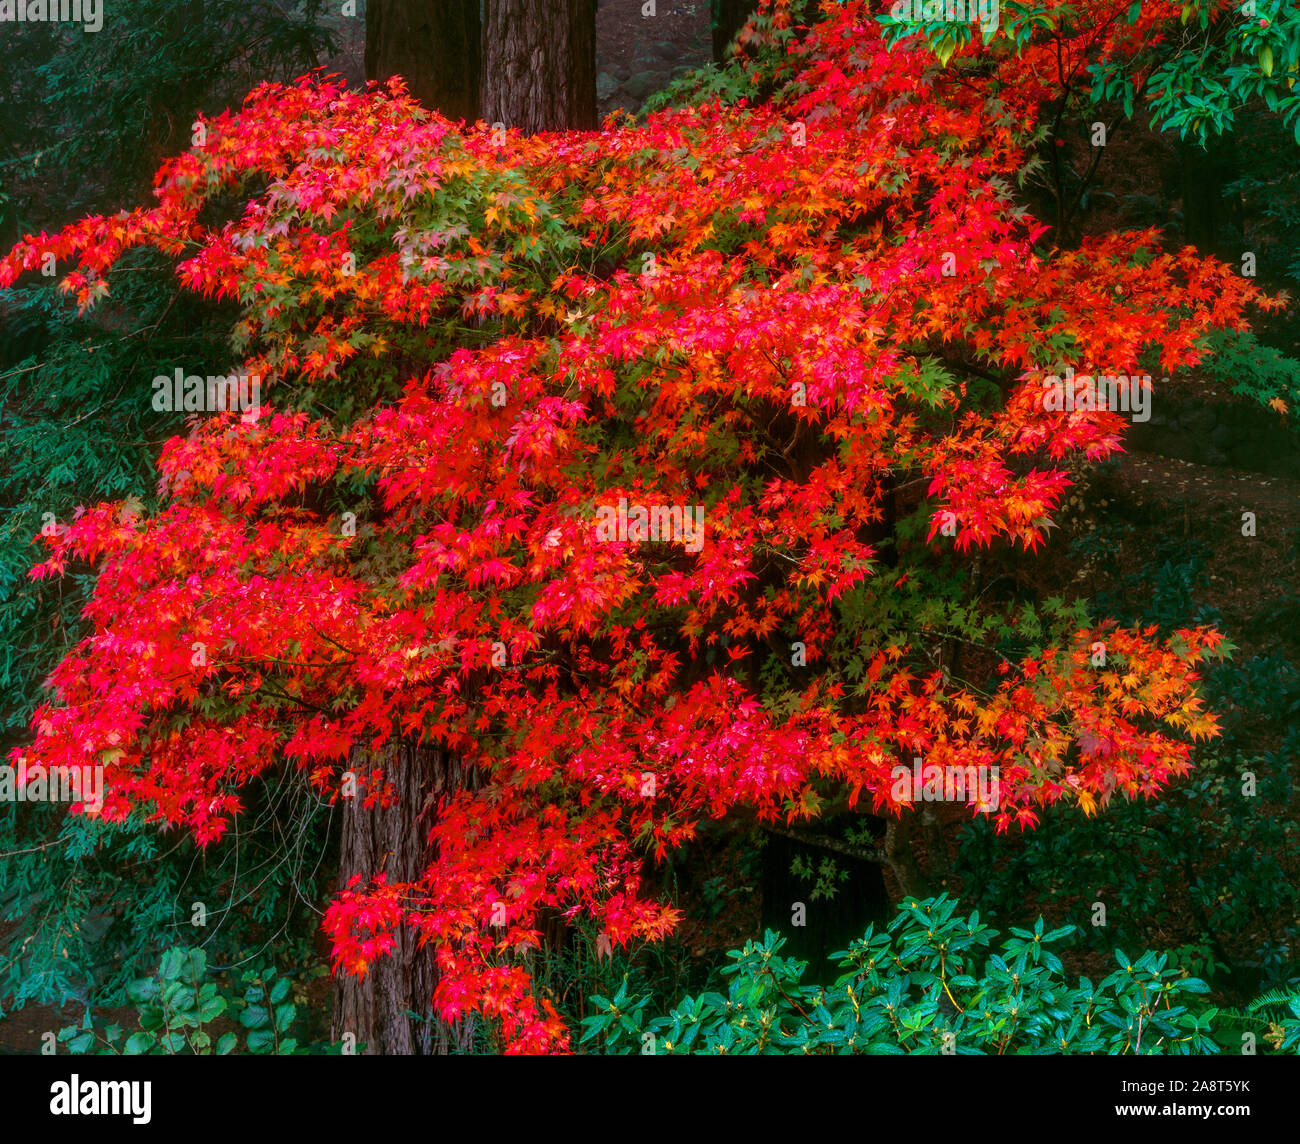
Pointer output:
539, 64
435, 45
900, 857
392, 839
936, 846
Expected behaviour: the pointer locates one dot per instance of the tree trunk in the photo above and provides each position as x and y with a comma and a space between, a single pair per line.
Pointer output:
539, 64
901, 858
434, 45
936, 846
392, 839
729, 17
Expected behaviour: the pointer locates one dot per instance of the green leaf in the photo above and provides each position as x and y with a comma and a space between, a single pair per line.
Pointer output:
261, 1041
152, 1018
138, 1044
284, 1017
254, 1017
145, 989
81, 1043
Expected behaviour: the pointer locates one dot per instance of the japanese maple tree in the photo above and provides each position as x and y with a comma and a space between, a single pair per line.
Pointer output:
472, 342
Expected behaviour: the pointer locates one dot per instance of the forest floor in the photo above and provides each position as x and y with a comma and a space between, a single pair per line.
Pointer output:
637, 55
24, 1031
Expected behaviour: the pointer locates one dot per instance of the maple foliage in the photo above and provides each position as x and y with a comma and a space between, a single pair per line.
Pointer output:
1193, 64
516, 360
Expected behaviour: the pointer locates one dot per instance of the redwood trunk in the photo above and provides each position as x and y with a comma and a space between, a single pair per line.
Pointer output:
434, 45
392, 839
901, 857
539, 64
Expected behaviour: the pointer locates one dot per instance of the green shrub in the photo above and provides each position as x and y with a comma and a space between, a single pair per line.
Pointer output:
1239, 360
179, 1005
931, 983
